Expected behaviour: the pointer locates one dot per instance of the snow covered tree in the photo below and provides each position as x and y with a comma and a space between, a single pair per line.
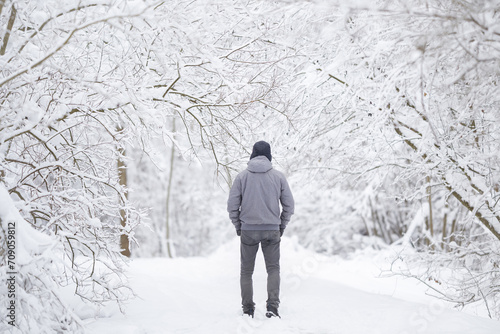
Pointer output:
61, 103
83, 83
219, 70
410, 91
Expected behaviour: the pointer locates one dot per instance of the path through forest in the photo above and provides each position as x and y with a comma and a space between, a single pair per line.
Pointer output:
320, 295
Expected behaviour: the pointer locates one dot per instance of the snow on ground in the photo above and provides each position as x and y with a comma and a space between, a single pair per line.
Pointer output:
319, 295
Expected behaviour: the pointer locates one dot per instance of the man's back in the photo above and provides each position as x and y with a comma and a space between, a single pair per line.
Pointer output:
255, 197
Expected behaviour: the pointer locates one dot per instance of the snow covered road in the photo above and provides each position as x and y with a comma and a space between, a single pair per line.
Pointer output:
320, 295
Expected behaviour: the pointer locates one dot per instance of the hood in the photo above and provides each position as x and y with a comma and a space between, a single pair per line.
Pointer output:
259, 164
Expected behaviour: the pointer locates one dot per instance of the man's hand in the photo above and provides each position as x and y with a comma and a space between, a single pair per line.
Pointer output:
238, 233
281, 231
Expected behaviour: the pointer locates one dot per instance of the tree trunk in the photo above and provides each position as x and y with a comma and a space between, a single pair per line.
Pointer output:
453, 229
10, 24
169, 190
122, 174
445, 223
429, 200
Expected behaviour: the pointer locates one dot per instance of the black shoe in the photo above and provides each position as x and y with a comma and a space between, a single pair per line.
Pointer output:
250, 312
272, 312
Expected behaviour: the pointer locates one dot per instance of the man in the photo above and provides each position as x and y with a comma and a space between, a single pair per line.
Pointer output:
254, 209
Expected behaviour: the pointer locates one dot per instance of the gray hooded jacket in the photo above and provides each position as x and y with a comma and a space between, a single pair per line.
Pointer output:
255, 197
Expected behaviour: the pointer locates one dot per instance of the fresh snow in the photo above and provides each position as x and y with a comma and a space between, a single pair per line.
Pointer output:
32, 241
319, 295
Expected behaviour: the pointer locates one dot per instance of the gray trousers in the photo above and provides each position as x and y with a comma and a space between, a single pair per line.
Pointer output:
270, 241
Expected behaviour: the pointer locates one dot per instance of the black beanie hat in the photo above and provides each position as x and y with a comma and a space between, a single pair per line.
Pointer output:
261, 148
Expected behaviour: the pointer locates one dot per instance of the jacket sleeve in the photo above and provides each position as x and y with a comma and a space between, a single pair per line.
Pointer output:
287, 203
234, 203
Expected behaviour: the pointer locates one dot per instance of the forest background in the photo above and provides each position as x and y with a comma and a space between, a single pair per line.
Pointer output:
123, 123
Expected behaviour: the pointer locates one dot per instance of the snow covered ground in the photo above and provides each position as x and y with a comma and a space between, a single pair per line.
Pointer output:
319, 295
